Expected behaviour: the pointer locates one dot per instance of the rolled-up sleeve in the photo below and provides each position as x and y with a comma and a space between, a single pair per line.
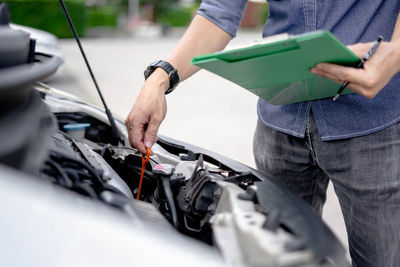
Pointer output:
226, 14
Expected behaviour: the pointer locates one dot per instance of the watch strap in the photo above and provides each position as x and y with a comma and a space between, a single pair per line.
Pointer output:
168, 68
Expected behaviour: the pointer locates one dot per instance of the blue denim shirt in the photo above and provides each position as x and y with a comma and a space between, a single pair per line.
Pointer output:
351, 21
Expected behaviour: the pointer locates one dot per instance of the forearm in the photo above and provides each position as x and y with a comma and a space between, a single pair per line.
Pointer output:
201, 37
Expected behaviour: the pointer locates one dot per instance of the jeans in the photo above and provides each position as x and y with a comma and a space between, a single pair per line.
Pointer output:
365, 173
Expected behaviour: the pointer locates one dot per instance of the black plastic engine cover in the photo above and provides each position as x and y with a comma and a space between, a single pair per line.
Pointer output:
25, 134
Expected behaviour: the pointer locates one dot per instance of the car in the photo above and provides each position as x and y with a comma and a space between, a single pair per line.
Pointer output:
45, 42
70, 180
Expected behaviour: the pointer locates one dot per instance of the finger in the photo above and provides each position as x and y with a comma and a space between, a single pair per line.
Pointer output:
129, 129
357, 88
150, 137
342, 73
136, 137
326, 75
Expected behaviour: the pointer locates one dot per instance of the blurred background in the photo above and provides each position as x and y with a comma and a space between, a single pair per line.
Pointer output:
94, 18
121, 37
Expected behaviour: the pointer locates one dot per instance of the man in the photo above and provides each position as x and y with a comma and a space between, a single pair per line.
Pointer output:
354, 141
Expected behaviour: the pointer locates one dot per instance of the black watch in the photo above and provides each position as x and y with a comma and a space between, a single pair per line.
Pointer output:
169, 69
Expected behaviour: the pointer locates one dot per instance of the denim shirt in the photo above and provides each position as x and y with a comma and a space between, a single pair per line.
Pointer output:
351, 21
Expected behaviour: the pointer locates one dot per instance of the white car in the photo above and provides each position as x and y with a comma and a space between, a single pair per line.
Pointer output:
68, 190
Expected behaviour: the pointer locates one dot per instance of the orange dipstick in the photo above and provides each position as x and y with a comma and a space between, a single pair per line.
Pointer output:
144, 163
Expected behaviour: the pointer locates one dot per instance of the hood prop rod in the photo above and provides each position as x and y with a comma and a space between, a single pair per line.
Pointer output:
116, 138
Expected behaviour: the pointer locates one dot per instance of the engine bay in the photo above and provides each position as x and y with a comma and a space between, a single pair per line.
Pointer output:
183, 190
181, 185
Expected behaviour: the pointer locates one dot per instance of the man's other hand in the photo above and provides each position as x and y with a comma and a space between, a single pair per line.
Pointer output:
377, 71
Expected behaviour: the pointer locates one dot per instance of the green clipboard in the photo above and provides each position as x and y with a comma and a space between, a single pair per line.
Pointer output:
277, 68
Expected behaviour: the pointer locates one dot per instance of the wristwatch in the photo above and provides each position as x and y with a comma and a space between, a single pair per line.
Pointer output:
168, 68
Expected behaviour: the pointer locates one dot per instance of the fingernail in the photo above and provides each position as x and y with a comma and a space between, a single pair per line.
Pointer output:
313, 70
148, 144
319, 66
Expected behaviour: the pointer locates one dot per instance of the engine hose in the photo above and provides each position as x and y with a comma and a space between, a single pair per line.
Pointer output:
66, 181
170, 201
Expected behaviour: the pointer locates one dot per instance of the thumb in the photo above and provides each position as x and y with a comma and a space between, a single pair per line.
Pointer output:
150, 136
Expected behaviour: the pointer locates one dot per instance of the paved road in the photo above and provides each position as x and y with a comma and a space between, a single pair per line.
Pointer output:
204, 110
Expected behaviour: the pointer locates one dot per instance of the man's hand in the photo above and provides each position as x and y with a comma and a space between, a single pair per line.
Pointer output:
148, 111
377, 71
150, 108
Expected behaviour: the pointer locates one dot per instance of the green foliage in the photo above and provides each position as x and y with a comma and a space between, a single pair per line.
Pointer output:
160, 6
102, 16
178, 16
47, 15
